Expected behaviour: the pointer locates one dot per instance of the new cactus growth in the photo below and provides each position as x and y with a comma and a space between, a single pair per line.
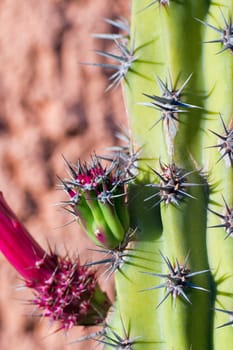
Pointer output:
159, 206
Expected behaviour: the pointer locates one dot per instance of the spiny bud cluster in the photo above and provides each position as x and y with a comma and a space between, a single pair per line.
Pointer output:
97, 180
97, 197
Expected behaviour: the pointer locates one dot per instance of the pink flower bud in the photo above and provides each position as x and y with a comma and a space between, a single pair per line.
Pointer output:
64, 290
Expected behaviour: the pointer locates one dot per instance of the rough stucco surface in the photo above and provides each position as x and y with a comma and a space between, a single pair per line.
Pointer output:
51, 105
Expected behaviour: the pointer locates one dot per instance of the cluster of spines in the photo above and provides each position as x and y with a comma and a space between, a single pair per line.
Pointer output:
225, 33
225, 144
115, 258
169, 103
116, 341
226, 218
173, 184
121, 57
108, 336
128, 154
177, 280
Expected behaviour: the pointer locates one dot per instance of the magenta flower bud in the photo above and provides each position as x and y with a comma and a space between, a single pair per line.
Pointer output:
64, 290
21, 250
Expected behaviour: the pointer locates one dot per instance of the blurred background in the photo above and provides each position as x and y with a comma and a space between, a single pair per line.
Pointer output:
50, 105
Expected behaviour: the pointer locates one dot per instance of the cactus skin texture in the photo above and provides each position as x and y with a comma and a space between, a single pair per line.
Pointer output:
179, 99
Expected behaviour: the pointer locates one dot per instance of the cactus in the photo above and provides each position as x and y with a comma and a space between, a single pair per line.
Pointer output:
159, 206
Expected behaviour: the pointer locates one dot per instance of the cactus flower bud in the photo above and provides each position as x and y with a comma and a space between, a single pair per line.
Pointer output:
64, 290
97, 198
